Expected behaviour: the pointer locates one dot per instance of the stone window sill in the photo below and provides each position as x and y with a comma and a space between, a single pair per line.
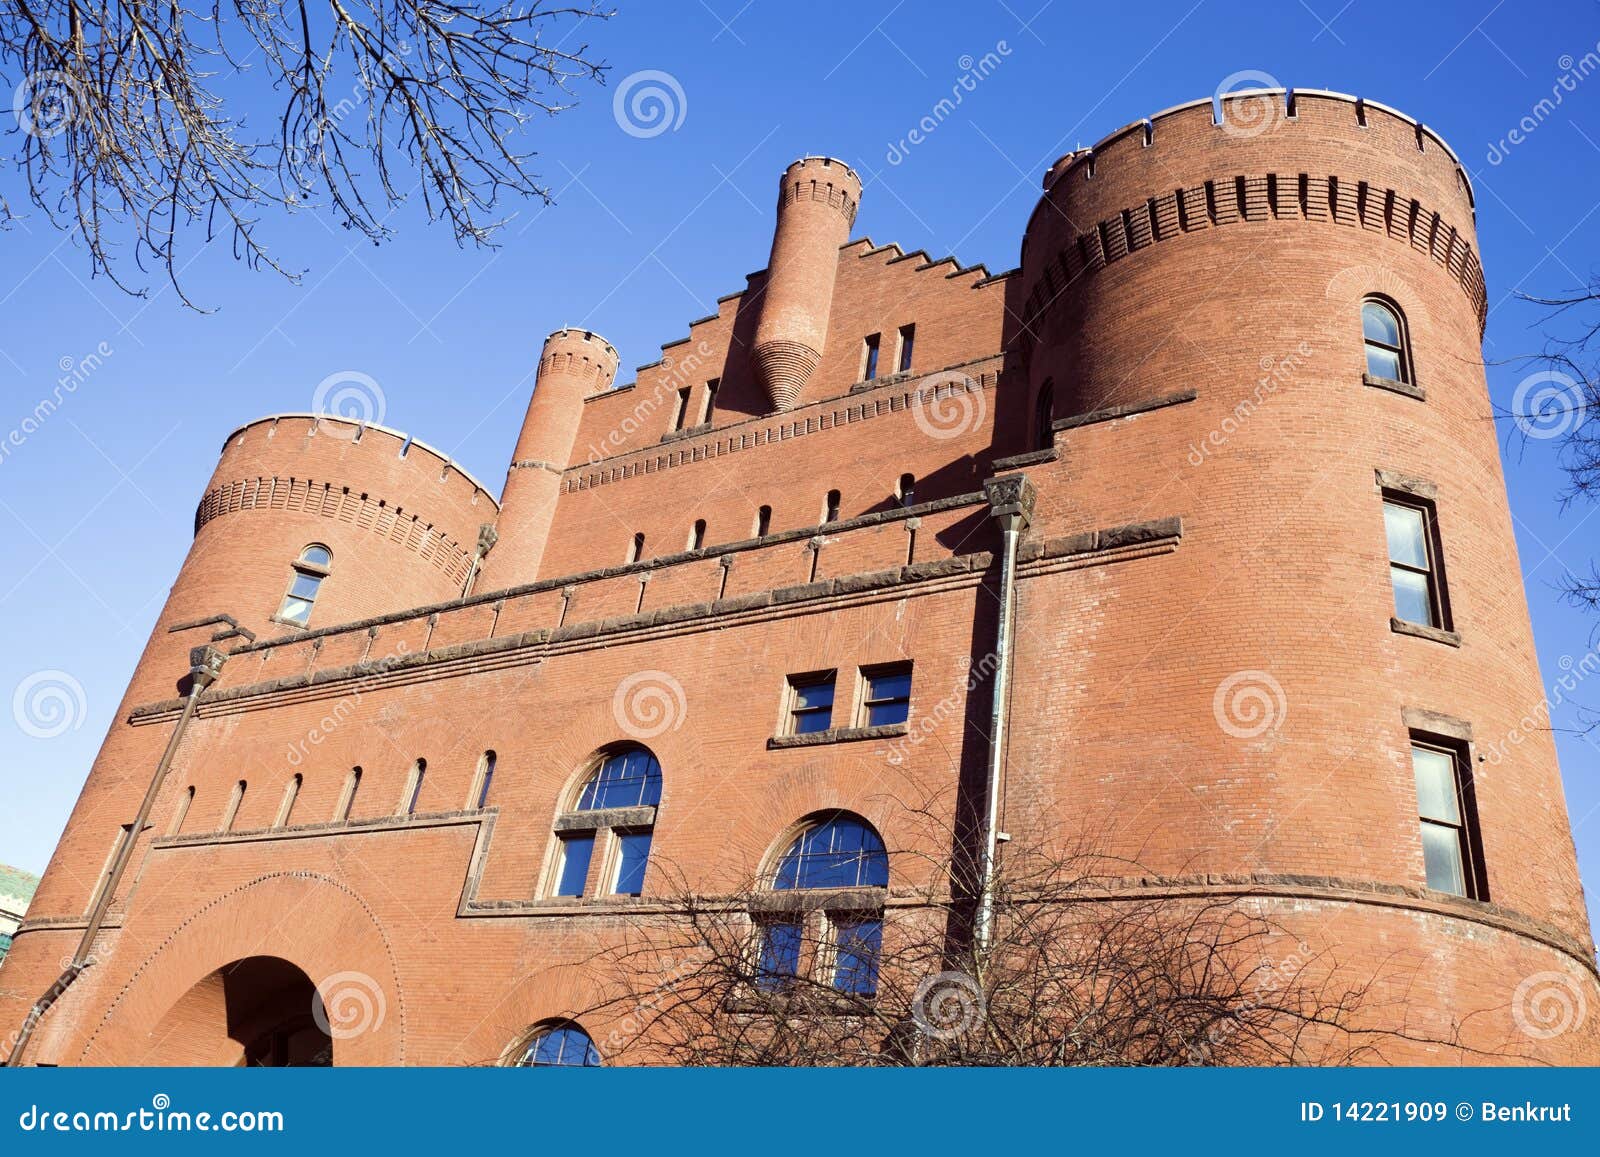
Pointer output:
794, 900
1417, 630
1408, 389
836, 735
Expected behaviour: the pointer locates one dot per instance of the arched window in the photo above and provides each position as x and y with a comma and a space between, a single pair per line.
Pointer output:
1044, 417
482, 782
563, 1043
347, 797
908, 489
615, 817
697, 534
291, 792
231, 812
1383, 330
308, 572
763, 522
413, 791
181, 812
636, 548
830, 508
837, 944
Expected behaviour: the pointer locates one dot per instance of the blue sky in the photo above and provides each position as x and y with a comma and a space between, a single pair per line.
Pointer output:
96, 505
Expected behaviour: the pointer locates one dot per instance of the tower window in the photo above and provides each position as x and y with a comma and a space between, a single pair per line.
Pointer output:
636, 548
1451, 852
1414, 560
908, 339
307, 574
1384, 334
764, 522
908, 489
887, 697
710, 406
810, 706
697, 534
830, 507
870, 362
680, 409
1044, 416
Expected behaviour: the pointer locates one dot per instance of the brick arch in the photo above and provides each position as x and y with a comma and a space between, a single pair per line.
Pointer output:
318, 924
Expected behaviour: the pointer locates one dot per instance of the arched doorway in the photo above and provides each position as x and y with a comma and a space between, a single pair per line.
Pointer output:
258, 1011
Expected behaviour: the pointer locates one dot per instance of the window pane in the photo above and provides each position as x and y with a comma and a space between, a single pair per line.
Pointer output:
575, 854
1382, 363
628, 779
843, 853
892, 686
1379, 323
295, 610
566, 1045
812, 721
814, 695
1441, 855
316, 555
883, 714
305, 586
859, 943
1436, 785
1407, 533
780, 956
633, 852
1411, 601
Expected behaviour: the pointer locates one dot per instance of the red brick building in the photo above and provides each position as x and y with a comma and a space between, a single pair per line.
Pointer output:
1209, 477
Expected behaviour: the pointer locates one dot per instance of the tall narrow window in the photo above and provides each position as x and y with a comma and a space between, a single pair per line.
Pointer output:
614, 821
636, 548
347, 797
231, 812
764, 522
572, 876
1044, 417
870, 358
307, 574
810, 706
908, 339
413, 790
1414, 560
680, 409
483, 781
181, 812
710, 406
697, 534
291, 792
1451, 854
1384, 334
908, 489
830, 506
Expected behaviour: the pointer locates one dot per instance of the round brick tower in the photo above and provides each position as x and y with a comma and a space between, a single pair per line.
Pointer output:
574, 365
1194, 298
817, 201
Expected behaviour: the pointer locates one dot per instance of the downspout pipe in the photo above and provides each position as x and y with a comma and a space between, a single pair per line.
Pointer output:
205, 663
1011, 499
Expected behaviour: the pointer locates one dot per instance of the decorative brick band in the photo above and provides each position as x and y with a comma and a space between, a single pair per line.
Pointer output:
1273, 196
343, 505
785, 367
810, 189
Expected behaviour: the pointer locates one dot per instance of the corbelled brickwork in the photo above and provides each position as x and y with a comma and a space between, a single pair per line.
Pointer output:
1206, 676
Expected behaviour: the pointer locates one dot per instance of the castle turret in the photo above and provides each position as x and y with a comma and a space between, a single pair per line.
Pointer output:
817, 203
574, 365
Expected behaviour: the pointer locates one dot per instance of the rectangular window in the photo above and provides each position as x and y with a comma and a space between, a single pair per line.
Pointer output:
1414, 571
908, 339
1449, 820
888, 695
710, 407
633, 852
810, 703
779, 966
857, 947
576, 852
870, 365
680, 409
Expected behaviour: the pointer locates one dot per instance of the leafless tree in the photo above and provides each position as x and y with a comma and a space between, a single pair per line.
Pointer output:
1084, 967
131, 122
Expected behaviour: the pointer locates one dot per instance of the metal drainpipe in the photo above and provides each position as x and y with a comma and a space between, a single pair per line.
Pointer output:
205, 663
1011, 501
